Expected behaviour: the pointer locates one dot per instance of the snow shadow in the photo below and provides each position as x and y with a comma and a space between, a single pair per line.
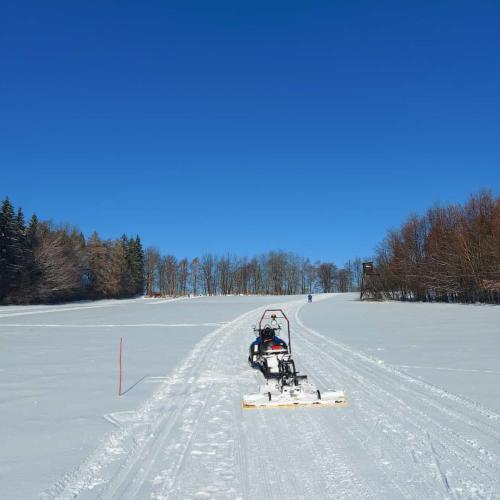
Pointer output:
134, 384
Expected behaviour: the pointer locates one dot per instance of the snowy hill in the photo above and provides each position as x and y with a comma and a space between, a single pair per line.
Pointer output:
422, 382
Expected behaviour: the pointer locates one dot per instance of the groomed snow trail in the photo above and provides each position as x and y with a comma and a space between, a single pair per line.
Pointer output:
420, 440
399, 437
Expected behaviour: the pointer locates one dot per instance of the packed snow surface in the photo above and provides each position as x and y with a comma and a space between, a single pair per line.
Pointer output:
422, 381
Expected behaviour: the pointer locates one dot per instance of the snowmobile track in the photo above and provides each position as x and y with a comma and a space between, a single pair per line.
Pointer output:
411, 414
128, 463
400, 437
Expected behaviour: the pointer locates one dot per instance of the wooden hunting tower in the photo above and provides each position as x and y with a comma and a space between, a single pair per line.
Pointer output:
370, 285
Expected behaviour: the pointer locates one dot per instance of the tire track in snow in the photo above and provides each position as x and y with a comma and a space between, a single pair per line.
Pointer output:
140, 440
367, 435
215, 459
299, 451
278, 454
228, 452
378, 370
412, 414
130, 461
411, 430
400, 438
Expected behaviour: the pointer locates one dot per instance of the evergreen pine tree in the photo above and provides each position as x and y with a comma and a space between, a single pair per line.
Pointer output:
120, 276
21, 226
3, 256
24, 288
11, 252
32, 242
31, 232
138, 265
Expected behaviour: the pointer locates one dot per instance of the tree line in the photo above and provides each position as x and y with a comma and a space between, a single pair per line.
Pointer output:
273, 273
41, 262
450, 254
44, 263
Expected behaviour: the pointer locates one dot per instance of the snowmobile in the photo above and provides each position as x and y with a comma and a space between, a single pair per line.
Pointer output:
284, 386
267, 349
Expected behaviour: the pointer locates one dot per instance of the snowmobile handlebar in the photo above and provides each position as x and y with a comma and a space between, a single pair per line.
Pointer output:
275, 316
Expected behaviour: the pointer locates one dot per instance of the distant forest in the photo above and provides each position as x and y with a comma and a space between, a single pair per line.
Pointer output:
274, 273
450, 254
44, 263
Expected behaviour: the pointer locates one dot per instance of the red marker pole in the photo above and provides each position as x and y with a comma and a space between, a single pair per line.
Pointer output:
120, 367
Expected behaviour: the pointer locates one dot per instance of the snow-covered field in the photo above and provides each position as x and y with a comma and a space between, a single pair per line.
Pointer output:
423, 383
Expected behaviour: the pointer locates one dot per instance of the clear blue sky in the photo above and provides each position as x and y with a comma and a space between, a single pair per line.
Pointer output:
243, 126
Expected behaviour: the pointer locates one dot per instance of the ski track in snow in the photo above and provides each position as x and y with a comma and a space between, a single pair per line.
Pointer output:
400, 437
442, 439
